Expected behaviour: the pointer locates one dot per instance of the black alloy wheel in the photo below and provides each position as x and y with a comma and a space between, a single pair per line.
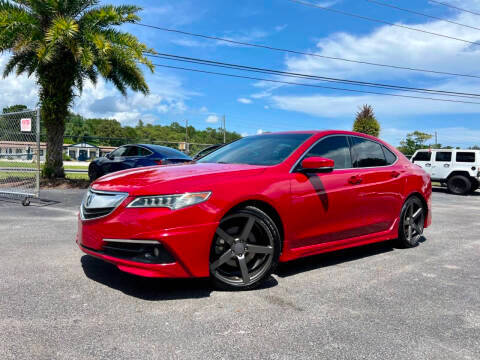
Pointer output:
245, 250
412, 220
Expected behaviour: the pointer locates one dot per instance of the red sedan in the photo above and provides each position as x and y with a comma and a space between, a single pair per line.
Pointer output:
239, 211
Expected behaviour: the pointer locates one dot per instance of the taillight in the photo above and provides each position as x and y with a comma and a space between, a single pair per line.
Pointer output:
159, 162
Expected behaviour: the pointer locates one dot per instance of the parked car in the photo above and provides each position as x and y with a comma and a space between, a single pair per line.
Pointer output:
238, 212
458, 169
206, 151
134, 156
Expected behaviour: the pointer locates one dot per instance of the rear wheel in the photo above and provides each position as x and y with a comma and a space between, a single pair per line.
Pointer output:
412, 220
245, 250
459, 185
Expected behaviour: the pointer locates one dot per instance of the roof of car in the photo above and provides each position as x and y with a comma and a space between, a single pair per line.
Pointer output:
164, 150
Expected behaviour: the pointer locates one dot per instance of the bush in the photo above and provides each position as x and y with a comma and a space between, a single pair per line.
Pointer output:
66, 157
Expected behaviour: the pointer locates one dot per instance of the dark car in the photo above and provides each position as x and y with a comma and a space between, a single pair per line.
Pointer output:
206, 151
133, 156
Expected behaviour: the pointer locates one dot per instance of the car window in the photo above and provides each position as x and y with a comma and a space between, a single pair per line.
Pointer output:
137, 151
267, 149
367, 153
389, 156
443, 156
118, 152
465, 157
335, 148
423, 156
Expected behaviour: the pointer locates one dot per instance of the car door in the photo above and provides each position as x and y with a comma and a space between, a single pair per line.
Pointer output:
423, 158
114, 161
441, 165
380, 185
323, 204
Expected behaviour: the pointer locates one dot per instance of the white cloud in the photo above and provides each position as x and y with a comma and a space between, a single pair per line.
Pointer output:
212, 119
244, 100
266, 107
203, 109
17, 90
259, 131
280, 27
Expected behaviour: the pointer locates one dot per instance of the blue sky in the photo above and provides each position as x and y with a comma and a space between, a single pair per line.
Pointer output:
253, 106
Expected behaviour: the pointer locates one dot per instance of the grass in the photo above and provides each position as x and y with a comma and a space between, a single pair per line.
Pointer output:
75, 176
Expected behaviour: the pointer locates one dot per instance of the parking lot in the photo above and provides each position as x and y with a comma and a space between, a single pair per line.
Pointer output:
374, 302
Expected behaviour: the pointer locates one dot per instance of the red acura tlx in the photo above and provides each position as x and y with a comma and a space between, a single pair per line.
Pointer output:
239, 211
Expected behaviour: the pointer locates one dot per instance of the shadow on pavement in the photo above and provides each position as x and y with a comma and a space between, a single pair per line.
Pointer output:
336, 257
151, 289
445, 191
34, 202
171, 289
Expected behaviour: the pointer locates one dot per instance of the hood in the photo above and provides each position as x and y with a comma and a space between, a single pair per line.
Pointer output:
154, 180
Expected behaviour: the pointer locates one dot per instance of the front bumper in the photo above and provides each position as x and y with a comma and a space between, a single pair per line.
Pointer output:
189, 245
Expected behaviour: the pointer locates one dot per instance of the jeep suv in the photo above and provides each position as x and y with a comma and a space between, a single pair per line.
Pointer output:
458, 169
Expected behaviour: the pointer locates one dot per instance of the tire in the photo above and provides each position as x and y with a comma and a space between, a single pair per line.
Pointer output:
234, 264
459, 185
412, 221
475, 186
94, 172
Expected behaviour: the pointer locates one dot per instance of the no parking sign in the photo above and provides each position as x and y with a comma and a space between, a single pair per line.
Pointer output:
26, 125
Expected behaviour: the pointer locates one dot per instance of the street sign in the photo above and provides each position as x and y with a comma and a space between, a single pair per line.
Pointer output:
26, 125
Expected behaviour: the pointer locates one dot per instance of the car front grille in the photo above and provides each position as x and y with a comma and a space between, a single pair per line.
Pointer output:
97, 204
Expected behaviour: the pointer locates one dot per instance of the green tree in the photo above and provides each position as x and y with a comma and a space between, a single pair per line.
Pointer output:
63, 43
14, 108
413, 142
365, 122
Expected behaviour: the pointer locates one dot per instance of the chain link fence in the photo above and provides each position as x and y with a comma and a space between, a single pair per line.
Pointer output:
20, 155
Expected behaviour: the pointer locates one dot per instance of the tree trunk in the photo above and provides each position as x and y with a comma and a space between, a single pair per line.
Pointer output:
54, 165
56, 82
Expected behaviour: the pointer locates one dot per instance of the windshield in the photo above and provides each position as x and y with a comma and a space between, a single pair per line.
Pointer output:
269, 149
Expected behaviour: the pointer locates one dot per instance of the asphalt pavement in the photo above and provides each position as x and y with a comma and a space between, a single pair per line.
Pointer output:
374, 302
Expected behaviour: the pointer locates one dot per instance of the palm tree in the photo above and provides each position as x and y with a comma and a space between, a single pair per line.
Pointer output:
64, 43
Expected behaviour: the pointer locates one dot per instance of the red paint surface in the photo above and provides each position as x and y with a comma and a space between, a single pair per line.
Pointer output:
319, 213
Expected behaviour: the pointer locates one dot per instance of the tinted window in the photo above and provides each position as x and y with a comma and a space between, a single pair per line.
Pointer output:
167, 152
443, 156
389, 156
367, 153
423, 156
465, 156
335, 148
119, 152
268, 149
137, 151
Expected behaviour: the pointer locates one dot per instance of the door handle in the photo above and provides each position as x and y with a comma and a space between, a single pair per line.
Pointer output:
446, 165
395, 174
355, 180
428, 165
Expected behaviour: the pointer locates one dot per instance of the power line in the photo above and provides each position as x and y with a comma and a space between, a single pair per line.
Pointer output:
310, 77
313, 85
381, 3
454, 7
261, 46
305, 3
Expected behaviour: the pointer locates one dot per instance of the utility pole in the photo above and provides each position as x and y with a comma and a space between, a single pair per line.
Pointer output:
436, 139
224, 131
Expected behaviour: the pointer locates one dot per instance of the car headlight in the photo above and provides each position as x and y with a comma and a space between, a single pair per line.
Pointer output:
173, 202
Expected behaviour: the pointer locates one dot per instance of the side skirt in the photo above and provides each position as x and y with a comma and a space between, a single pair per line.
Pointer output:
296, 253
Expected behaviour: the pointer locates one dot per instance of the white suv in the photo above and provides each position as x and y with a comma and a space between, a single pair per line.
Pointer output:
458, 169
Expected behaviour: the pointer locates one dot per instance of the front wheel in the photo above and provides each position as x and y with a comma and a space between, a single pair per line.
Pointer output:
412, 220
245, 250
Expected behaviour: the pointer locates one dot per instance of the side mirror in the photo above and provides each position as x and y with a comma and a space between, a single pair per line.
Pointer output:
107, 155
317, 164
